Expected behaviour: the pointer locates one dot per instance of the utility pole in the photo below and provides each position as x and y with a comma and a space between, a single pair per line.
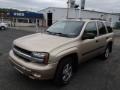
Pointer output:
71, 4
68, 6
82, 7
80, 11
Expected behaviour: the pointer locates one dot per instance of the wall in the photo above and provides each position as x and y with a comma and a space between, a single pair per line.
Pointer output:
109, 17
114, 19
61, 13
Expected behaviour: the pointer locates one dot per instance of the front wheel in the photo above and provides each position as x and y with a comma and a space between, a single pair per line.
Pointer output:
64, 72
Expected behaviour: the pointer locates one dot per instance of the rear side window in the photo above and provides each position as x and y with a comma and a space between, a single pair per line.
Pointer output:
110, 30
101, 28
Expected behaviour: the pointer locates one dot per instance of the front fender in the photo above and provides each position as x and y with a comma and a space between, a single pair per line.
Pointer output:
66, 52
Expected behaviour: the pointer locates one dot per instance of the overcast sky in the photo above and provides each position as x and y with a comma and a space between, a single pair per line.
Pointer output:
36, 5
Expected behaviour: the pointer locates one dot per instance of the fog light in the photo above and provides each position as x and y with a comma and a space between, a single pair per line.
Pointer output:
36, 75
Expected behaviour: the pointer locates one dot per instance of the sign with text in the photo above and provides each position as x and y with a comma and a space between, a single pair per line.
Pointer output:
25, 15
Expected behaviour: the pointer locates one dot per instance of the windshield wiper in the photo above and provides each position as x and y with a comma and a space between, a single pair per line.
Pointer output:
62, 34
51, 32
58, 34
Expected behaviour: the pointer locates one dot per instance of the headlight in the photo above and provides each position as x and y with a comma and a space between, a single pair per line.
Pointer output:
42, 57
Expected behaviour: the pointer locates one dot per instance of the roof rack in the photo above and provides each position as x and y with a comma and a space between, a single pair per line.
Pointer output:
89, 19
74, 18
98, 19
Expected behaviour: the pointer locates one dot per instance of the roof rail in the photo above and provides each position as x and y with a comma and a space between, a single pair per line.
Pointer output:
89, 19
98, 19
74, 18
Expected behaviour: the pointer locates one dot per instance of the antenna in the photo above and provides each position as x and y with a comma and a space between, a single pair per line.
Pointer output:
80, 10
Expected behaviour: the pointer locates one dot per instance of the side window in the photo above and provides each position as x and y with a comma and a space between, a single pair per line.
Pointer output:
91, 28
110, 30
101, 28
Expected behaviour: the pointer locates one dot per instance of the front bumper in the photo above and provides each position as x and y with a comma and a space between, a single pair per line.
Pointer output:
32, 70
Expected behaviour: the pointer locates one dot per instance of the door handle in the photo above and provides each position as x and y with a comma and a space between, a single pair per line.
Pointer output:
97, 41
107, 37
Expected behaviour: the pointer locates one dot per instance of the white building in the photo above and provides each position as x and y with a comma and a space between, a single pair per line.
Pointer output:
54, 14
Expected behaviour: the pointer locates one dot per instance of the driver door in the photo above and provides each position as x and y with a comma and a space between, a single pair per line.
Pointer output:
89, 47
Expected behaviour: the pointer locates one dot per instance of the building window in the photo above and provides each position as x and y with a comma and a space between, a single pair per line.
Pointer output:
119, 18
32, 20
23, 20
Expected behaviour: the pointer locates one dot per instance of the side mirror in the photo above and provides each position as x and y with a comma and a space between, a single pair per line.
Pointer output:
88, 36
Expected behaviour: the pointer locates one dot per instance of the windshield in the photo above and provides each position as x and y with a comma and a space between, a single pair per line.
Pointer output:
66, 28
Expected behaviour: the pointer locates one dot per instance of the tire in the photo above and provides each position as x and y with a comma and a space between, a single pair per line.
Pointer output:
3, 28
106, 54
64, 72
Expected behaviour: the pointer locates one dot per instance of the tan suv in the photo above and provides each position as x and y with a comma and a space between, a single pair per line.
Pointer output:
56, 53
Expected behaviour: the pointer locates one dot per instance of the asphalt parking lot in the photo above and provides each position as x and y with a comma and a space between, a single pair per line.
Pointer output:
92, 75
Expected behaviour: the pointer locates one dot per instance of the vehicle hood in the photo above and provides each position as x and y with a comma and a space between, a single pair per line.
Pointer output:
3, 23
41, 42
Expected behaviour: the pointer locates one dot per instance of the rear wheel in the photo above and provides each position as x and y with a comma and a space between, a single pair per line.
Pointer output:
64, 72
106, 54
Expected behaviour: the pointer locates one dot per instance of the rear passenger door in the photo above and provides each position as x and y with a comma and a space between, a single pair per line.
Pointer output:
102, 37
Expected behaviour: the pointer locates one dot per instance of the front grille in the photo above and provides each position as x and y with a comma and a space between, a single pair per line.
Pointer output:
25, 55
22, 51
25, 59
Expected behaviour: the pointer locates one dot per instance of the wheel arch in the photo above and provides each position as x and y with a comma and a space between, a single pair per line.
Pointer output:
110, 44
75, 60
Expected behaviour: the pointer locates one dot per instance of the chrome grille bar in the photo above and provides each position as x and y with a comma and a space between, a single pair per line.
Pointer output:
27, 56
